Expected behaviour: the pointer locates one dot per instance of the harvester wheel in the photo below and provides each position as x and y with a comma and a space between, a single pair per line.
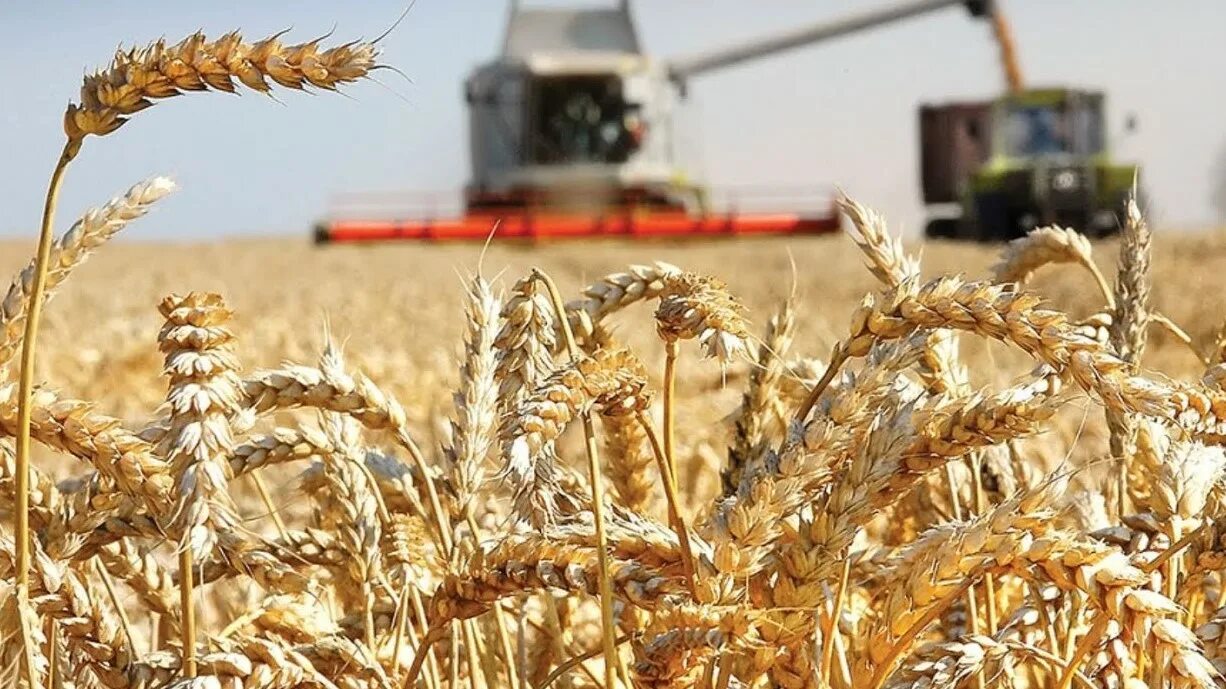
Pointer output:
320, 235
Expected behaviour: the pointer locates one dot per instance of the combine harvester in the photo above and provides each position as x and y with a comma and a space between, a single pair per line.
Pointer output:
572, 135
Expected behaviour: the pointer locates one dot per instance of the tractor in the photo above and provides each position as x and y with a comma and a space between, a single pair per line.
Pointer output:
994, 170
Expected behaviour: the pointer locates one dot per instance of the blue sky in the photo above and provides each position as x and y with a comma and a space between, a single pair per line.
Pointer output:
841, 113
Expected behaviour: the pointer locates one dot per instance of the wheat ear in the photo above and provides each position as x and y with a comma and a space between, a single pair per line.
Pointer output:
757, 404
884, 254
139, 76
353, 514
615, 292
203, 393
475, 429
525, 343
1017, 317
86, 235
1128, 334
610, 382
1047, 245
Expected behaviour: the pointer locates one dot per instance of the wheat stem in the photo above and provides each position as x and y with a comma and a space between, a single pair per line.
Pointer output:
576, 661
402, 612
269, 505
890, 663
1088, 642
832, 629
837, 358
596, 479
671, 348
55, 678
423, 650
475, 667
500, 619
725, 671
989, 581
109, 585
435, 677
21, 530
1176, 547
1172, 328
674, 508
1108, 292
186, 602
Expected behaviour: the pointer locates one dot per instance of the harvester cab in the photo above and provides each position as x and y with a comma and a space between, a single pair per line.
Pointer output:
572, 115
997, 169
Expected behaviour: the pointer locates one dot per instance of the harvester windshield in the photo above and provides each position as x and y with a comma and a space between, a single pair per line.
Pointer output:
582, 119
1068, 128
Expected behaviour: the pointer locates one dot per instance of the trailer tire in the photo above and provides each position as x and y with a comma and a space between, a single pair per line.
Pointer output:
942, 228
995, 222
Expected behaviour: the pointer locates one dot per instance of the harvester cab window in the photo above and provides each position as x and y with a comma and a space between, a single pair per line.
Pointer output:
1038, 130
582, 119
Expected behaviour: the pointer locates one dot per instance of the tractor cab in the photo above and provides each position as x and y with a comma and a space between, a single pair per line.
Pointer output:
1049, 165
1051, 124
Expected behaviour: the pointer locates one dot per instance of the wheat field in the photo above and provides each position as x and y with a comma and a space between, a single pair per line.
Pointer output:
835, 462
395, 305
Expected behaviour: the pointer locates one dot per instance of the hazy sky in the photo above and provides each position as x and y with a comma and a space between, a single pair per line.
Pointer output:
840, 113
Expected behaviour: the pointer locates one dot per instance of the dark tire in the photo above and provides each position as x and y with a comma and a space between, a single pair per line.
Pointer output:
320, 235
942, 228
1096, 229
994, 220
